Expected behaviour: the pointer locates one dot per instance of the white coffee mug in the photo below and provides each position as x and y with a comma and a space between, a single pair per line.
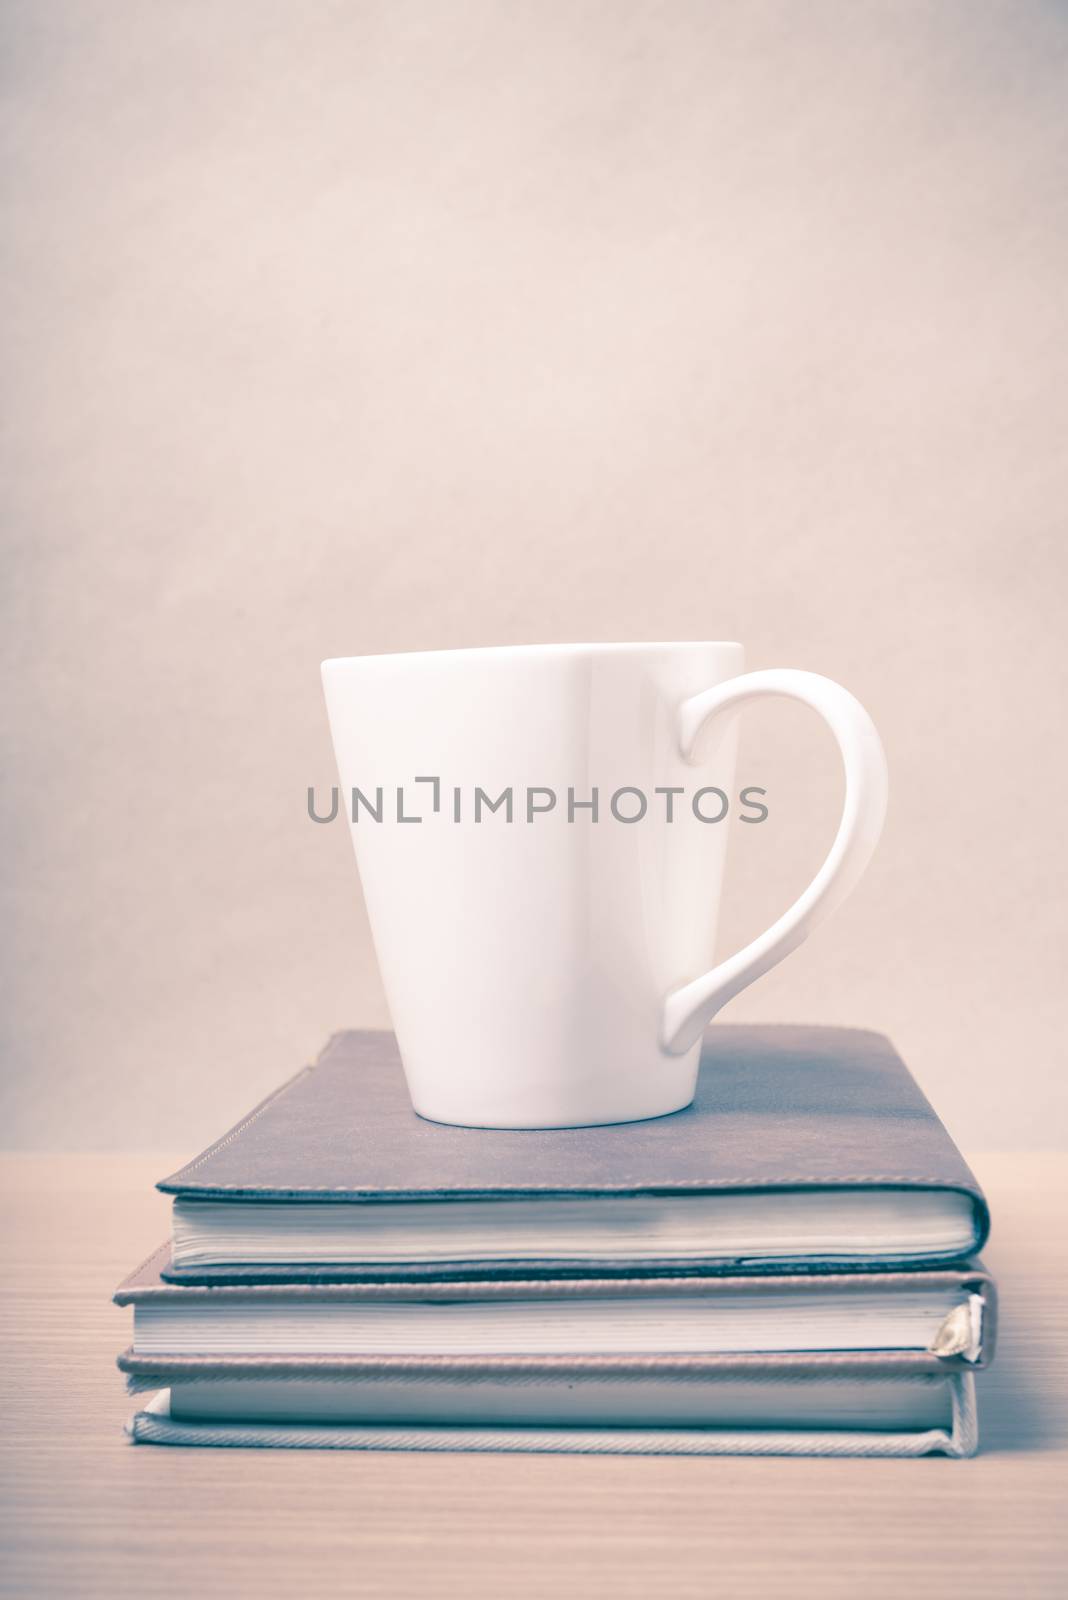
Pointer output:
540, 832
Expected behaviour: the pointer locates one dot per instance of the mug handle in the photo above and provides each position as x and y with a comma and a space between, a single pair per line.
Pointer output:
689, 1009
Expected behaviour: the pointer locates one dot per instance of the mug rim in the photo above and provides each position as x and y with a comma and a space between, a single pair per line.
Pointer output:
507, 650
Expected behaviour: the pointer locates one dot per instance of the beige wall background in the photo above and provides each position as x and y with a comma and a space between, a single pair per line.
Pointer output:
342, 328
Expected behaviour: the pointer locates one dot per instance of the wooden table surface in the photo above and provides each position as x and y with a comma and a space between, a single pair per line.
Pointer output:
87, 1514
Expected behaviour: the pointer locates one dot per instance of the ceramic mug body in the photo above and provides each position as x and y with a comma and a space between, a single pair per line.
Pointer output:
531, 947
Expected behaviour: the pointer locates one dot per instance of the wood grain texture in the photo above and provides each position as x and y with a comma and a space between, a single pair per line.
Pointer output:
85, 1514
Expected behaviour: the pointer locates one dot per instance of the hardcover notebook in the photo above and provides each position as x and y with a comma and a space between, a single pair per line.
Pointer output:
835, 1417
804, 1145
936, 1315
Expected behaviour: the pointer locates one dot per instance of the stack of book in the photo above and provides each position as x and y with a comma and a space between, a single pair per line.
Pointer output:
787, 1266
